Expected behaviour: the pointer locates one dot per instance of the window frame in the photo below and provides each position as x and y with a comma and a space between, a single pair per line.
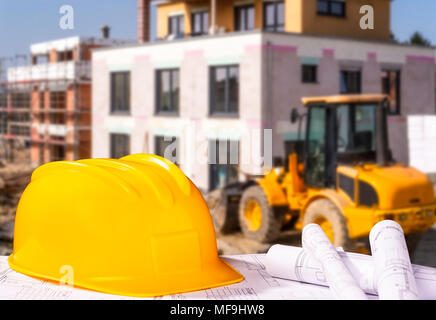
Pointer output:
180, 20
275, 26
20, 99
173, 111
329, 11
3, 99
3, 123
359, 72
212, 94
202, 14
112, 141
64, 56
315, 73
245, 8
57, 152
125, 108
41, 100
58, 100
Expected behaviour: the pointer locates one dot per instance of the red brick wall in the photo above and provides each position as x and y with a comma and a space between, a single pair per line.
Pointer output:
143, 20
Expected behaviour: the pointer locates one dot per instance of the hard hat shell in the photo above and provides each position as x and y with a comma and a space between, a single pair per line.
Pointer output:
135, 226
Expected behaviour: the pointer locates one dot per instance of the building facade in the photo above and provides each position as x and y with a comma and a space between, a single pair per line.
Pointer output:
47, 103
216, 104
319, 17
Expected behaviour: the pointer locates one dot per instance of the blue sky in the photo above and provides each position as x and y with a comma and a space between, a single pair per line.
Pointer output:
23, 22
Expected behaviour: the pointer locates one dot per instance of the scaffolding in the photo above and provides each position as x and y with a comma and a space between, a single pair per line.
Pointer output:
45, 107
15, 103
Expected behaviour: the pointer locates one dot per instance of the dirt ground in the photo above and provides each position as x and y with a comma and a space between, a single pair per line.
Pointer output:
13, 179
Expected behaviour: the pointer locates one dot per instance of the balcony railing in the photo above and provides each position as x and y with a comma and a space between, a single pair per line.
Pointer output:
71, 70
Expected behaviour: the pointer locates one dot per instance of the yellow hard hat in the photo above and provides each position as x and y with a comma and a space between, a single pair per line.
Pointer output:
135, 226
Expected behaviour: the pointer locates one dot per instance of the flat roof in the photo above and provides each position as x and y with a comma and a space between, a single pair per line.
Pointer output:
70, 42
346, 98
265, 32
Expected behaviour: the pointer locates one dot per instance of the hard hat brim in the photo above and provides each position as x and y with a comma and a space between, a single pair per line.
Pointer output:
220, 274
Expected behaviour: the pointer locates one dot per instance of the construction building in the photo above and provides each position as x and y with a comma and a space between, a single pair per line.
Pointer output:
14, 114
215, 92
45, 104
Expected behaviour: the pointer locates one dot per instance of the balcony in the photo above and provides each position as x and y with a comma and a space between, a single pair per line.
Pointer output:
71, 70
181, 19
178, 18
59, 130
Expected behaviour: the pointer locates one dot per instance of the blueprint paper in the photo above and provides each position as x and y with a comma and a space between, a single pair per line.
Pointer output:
337, 276
393, 270
258, 284
294, 263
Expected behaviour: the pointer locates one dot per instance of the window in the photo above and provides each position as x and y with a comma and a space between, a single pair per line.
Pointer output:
58, 100
120, 145
309, 73
3, 100
331, 7
120, 92
346, 183
20, 100
223, 163
343, 134
200, 23
391, 87
41, 100
65, 56
57, 152
167, 91
316, 148
350, 81
224, 90
3, 123
176, 25
40, 59
168, 148
274, 16
57, 118
41, 154
356, 129
244, 17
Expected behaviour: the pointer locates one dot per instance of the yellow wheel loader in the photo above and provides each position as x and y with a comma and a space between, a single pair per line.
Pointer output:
340, 176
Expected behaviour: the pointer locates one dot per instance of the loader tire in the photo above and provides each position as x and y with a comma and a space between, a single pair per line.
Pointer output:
331, 220
224, 219
258, 220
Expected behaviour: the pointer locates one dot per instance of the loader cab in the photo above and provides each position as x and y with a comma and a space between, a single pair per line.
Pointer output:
343, 130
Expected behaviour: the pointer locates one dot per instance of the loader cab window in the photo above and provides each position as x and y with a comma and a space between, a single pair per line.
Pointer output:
316, 147
338, 134
356, 133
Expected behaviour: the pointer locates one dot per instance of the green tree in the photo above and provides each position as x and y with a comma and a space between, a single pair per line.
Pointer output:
418, 39
392, 38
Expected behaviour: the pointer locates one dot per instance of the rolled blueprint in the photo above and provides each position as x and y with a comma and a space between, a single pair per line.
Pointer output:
338, 277
393, 271
294, 263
